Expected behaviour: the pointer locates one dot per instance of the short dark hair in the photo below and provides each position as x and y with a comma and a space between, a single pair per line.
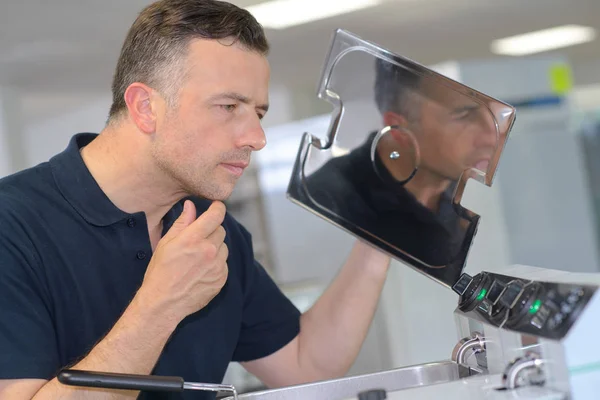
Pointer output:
394, 86
157, 42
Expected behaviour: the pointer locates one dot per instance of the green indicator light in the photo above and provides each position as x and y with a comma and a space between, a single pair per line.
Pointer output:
535, 307
481, 294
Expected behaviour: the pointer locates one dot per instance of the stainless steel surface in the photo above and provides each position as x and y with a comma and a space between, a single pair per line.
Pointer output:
210, 387
484, 387
402, 142
396, 379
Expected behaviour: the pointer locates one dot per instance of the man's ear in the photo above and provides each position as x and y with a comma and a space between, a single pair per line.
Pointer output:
142, 110
391, 118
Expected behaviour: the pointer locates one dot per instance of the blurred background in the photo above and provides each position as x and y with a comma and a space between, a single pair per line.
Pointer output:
56, 65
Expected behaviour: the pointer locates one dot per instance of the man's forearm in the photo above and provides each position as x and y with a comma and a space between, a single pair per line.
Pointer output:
333, 330
132, 346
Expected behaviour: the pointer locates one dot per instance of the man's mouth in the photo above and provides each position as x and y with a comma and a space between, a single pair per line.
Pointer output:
482, 165
235, 167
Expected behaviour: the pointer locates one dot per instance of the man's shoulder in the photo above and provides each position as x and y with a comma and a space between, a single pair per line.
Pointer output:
26, 190
24, 199
342, 171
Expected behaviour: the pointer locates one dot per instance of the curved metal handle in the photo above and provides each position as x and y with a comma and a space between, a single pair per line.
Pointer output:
108, 380
529, 365
475, 345
467, 346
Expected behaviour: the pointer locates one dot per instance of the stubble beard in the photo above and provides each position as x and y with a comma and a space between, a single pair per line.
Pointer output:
204, 182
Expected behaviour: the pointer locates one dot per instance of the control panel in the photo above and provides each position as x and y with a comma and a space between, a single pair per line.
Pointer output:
540, 308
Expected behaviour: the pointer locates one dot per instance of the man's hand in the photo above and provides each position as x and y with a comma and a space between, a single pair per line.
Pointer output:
189, 266
187, 270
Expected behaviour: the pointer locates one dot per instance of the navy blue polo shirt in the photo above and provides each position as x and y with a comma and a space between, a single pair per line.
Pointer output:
71, 261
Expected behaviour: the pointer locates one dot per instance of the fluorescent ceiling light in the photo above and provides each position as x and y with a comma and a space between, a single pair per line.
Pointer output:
544, 40
280, 14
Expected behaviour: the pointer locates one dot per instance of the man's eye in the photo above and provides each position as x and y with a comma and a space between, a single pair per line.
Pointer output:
228, 107
462, 114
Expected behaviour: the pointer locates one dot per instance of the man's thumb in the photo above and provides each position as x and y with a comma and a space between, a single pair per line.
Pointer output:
188, 215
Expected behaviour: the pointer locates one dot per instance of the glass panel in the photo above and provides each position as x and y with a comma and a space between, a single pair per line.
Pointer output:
393, 166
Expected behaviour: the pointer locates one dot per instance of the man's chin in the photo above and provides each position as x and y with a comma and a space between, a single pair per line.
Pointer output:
218, 194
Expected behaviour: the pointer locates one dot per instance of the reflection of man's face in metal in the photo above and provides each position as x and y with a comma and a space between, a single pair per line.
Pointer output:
454, 133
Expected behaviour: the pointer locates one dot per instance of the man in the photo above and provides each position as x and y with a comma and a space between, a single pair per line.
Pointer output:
118, 256
398, 185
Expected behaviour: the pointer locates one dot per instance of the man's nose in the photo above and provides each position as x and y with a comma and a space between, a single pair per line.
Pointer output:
253, 136
487, 135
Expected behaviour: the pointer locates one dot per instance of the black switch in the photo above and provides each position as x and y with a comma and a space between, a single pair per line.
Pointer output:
375, 394
495, 291
463, 283
511, 294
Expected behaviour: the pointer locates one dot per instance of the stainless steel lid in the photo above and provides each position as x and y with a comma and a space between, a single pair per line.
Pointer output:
393, 166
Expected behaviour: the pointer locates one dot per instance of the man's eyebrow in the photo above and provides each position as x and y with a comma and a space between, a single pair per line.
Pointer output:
238, 97
468, 107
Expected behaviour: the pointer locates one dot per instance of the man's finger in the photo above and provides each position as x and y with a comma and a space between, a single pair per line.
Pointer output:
208, 222
185, 219
218, 236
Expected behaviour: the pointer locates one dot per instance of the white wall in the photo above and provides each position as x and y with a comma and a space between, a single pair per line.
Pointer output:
5, 144
46, 138
586, 98
12, 152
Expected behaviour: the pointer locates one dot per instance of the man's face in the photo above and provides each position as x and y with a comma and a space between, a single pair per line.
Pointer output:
454, 133
205, 142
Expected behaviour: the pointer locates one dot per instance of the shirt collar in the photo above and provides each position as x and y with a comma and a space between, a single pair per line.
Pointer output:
81, 190
79, 187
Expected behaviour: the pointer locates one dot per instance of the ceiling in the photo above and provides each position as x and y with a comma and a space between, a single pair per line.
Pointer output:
51, 49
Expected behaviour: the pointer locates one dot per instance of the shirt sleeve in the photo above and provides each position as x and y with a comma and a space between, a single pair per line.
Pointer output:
270, 320
27, 337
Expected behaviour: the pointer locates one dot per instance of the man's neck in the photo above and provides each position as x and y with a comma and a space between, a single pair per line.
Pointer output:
119, 162
427, 190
